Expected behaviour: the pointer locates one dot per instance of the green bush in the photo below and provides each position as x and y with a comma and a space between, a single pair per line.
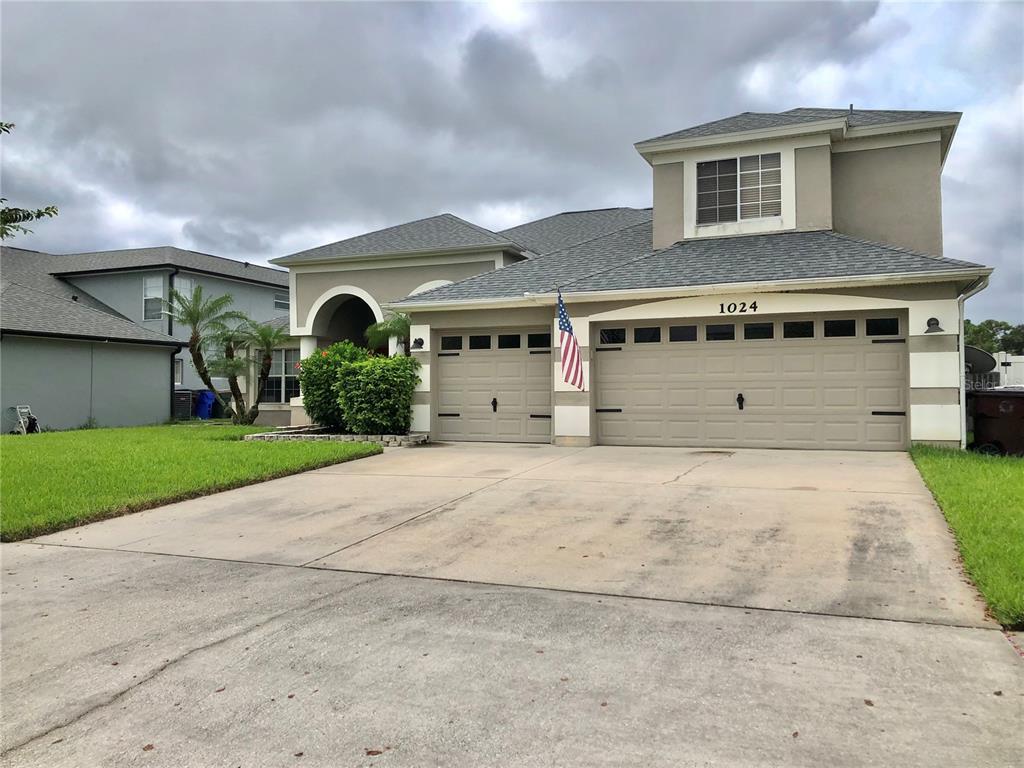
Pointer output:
375, 395
318, 374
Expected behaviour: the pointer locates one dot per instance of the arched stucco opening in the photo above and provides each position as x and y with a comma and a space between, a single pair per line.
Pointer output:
344, 314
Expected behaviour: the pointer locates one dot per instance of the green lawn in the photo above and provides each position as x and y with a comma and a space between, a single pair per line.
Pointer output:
983, 500
57, 480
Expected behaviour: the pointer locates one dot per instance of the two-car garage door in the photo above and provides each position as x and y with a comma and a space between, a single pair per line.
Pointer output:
823, 381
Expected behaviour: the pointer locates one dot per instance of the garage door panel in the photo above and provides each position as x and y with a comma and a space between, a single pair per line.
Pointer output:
806, 392
839, 362
720, 397
800, 397
793, 431
683, 397
885, 398
798, 362
760, 363
719, 363
518, 380
876, 362
840, 397
883, 434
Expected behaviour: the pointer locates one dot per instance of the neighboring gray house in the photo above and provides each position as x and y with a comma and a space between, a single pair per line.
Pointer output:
125, 292
72, 358
136, 282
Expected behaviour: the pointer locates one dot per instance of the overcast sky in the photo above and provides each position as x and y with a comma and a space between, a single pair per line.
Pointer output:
253, 130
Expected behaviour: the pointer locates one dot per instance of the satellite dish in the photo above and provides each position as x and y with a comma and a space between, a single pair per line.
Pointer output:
978, 360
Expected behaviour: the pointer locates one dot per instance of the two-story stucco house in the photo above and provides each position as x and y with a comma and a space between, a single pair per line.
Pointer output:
787, 290
87, 338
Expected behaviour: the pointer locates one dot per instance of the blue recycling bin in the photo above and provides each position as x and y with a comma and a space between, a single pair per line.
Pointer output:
204, 404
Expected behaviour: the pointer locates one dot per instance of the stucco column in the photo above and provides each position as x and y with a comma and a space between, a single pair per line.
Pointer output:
422, 398
936, 372
307, 346
572, 423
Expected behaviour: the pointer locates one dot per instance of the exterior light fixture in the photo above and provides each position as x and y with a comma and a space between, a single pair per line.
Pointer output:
417, 343
933, 326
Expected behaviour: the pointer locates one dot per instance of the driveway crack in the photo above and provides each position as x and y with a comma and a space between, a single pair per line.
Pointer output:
310, 606
698, 465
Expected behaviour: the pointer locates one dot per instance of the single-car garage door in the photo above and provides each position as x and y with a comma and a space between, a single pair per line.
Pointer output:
494, 386
823, 381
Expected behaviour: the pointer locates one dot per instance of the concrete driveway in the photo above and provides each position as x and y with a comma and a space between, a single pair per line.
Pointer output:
515, 605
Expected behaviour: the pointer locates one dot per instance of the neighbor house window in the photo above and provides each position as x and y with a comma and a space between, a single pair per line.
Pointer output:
747, 187
152, 297
179, 370
184, 286
281, 301
283, 383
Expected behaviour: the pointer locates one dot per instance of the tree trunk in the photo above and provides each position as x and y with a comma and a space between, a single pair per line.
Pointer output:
261, 384
195, 349
240, 415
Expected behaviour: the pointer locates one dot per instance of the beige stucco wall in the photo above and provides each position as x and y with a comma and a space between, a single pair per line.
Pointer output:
668, 204
382, 282
891, 195
813, 187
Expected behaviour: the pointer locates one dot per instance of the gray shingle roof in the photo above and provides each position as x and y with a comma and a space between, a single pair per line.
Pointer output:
624, 261
434, 233
137, 258
33, 301
752, 121
547, 272
769, 257
566, 229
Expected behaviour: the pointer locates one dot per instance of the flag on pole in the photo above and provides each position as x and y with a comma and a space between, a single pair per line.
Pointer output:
572, 363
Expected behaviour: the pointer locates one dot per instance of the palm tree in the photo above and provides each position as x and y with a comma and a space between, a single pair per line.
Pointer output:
247, 349
261, 340
394, 325
206, 319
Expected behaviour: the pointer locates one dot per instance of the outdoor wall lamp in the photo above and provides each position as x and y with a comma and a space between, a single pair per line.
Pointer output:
417, 343
933, 326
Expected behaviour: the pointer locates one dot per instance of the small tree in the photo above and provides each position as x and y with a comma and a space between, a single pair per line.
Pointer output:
206, 319
396, 325
248, 350
12, 220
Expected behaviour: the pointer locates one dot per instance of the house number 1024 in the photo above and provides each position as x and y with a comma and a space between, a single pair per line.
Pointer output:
734, 308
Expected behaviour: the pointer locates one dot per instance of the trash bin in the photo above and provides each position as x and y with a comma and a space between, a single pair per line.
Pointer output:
998, 421
204, 404
182, 404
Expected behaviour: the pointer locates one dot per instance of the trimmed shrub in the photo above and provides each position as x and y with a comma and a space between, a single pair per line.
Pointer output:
318, 375
375, 395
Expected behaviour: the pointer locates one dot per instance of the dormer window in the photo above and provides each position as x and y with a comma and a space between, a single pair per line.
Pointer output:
754, 192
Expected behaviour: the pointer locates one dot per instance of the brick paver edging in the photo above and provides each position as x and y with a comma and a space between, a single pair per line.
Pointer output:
388, 441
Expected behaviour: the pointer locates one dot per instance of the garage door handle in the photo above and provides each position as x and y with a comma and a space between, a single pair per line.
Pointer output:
739, 400
494, 404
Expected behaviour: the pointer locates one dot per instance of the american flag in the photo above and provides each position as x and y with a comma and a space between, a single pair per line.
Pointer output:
572, 363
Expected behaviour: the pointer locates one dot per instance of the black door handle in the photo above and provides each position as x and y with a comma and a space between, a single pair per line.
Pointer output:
739, 400
494, 404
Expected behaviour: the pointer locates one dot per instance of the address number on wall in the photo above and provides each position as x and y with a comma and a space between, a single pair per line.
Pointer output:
737, 308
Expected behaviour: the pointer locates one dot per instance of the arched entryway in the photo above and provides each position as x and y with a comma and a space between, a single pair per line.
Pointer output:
344, 314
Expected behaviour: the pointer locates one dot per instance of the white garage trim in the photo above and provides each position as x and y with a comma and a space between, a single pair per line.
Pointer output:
935, 422
572, 420
935, 369
420, 418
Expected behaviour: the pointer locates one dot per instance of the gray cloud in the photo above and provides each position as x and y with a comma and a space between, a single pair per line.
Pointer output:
252, 130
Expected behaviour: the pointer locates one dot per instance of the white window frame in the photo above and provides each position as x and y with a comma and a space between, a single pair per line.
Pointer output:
284, 371
184, 285
738, 159
148, 283
179, 371
287, 302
